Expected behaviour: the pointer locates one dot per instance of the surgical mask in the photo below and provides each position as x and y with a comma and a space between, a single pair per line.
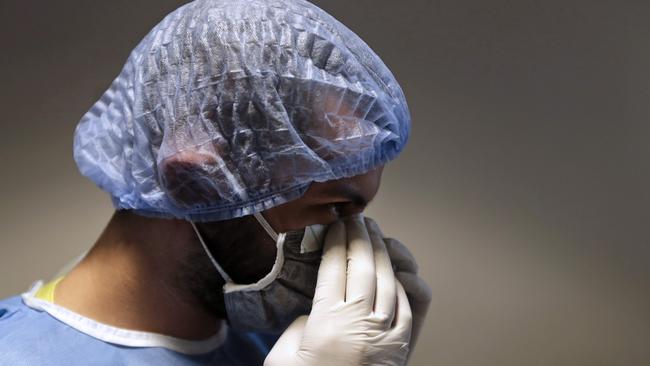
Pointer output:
286, 292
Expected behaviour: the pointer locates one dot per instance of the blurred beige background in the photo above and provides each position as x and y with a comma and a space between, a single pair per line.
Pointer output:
523, 192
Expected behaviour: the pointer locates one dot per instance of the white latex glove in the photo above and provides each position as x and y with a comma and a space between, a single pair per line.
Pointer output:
360, 314
406, 269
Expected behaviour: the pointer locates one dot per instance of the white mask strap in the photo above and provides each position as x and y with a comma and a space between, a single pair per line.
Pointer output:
267, 227
221, 271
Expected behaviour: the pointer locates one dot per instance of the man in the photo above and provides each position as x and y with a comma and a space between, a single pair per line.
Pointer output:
235, 132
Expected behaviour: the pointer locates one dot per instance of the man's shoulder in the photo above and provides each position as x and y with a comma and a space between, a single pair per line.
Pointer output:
20, 338
9, 303
12, 311
17, 321
33, 337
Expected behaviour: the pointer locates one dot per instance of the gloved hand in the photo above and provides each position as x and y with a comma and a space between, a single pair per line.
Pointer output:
406, 271
360, 314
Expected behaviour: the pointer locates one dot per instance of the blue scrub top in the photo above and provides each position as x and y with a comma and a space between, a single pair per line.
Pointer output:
31, 336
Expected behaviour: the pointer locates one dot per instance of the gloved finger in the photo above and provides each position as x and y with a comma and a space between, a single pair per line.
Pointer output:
385, 291
371, 222
288, 344
400, 256
330, 285
419, 295
403, 315
361, 278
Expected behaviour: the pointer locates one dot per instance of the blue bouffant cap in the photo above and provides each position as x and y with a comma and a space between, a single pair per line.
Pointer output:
231, 107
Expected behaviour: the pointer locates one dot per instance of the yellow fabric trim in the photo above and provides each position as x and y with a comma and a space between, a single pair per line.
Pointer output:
46, 292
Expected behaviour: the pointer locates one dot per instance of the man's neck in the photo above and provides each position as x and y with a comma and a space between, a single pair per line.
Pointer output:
127, 280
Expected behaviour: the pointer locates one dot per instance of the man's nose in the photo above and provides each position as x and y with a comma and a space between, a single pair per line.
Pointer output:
349, 209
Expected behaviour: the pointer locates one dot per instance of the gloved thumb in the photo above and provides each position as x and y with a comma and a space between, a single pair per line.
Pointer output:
288, 344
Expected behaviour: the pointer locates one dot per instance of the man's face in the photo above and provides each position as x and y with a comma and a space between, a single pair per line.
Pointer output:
247, 252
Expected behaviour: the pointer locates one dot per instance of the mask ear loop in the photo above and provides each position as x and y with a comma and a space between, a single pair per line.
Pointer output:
221, 271
267, 227
277, 266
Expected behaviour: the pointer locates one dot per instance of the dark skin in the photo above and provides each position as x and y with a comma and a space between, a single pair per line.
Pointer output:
151, 274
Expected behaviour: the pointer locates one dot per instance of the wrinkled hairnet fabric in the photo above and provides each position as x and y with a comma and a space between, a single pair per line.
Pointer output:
231, 107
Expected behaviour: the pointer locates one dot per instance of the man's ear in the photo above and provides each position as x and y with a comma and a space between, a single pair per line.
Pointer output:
188, 178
